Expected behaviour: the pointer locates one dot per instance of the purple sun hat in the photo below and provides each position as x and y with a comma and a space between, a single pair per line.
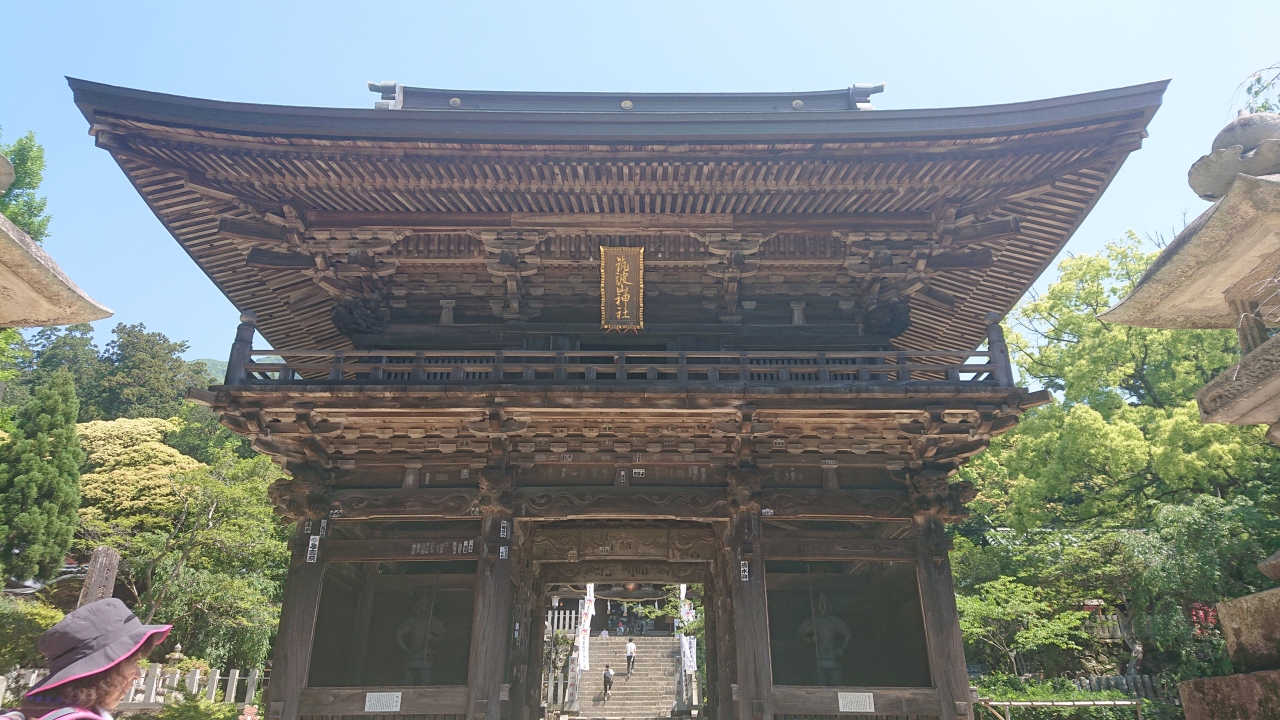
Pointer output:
91, 639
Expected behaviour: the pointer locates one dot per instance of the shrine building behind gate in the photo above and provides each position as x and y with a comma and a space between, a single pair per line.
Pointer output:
524, 341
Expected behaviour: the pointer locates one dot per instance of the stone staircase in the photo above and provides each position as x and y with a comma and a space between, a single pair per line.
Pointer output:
648, 693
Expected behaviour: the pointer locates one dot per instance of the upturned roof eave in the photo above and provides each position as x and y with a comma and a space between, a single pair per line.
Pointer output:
34, 291
1186, 286
1136, 104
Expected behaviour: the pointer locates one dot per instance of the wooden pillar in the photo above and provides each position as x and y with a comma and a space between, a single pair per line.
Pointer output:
527, 600
298, 610
721, 657
999, 350
534, 667
941, 620
100, 581
750, 617
490, 628
241, 348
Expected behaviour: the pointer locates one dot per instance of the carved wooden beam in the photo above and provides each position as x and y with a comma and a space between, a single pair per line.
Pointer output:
251, 230
451, 548
988, 231
564, 503
433, 503
670, 544
834, 549
628, 571
270, 259
626, 222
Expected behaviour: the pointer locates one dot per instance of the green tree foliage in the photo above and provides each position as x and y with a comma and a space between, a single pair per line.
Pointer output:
1261, 90
1116, 491
40, 482
20, 203
202, 436
1009, 618
72, 349
22, 622
138, 374
147, 376
200, 547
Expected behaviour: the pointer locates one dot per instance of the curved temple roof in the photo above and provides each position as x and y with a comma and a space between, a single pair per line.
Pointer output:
818, 181
540, 117
34, 292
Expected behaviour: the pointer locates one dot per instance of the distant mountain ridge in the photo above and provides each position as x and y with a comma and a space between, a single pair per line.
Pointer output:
217, 369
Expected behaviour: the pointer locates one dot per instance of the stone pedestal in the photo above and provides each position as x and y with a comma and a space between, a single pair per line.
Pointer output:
1255, 696
1251, 626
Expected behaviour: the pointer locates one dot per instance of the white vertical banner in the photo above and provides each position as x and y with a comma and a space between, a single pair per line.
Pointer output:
688, 643
585, 613
571, 688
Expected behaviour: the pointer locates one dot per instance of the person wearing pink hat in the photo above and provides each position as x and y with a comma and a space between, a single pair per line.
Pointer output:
92, 656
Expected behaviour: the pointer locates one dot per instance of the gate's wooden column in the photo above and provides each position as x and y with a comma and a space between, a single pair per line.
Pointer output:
298, 609
491, 623
720, 654
750, 616
531, 692
941, 620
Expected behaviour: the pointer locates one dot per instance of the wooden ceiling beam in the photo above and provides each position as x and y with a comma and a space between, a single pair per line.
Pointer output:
610, 223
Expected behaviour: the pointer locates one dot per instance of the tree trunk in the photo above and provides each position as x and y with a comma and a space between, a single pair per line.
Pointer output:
1131, 639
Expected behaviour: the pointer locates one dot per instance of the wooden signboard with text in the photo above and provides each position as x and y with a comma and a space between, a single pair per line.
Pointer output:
621, 288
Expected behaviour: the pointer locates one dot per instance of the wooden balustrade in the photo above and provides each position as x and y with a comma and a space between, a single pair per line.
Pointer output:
160, 685
452, 367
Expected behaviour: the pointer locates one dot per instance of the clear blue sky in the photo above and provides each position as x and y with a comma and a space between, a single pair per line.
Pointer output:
322, 53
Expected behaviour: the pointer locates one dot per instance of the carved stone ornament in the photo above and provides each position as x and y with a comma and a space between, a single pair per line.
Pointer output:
930, 491
1249, 145
304, 496
1254, 369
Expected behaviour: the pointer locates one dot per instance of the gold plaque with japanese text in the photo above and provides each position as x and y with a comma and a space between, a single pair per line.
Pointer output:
621, 288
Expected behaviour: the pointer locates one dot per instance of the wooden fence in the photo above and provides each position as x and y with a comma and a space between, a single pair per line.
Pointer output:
1140, 686
448, 367
566, 620
159, 685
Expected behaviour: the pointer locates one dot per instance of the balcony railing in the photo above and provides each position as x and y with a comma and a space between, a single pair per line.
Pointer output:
474, 367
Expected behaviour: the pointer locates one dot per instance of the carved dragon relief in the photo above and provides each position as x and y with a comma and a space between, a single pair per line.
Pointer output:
496, 488
361, 504
304, 496
930, 492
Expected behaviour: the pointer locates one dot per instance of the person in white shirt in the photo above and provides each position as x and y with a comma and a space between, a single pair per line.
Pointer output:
608, 681
631, 657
